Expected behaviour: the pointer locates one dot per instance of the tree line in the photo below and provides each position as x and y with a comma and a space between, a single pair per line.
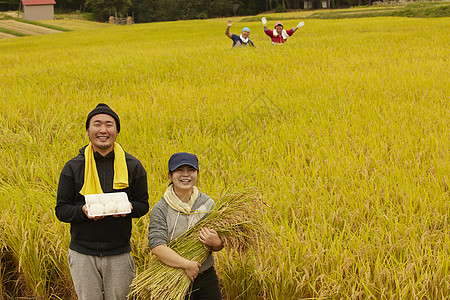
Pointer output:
171, 10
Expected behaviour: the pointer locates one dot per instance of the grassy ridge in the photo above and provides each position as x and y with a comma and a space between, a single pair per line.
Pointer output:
12, 32
344, 130
77, 24
40, 24
6, 17
411, 10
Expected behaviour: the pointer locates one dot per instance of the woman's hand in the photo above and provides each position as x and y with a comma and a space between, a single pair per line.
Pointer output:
210, 238
192, 269
173, 259
264, 21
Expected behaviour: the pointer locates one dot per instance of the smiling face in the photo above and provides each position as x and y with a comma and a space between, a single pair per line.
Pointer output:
184, 178
245, 34
279, 28
102, 133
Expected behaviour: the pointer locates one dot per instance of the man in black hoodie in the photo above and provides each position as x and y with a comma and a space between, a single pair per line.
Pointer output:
99, 257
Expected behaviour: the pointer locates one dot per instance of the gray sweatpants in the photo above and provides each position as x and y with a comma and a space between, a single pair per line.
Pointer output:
92, 275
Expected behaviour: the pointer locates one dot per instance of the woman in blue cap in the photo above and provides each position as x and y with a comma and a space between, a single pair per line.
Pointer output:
239, 40
181, 207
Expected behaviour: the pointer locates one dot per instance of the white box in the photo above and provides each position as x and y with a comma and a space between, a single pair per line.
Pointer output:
107, 204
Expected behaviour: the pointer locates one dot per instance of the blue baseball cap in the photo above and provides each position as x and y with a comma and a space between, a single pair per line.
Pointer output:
181, 159
246, 28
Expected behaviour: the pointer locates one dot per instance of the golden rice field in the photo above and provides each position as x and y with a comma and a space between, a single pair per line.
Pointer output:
344, 131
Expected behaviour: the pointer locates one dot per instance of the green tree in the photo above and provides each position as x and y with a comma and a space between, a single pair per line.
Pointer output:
221, 8
102, 9
68, 5
6, 5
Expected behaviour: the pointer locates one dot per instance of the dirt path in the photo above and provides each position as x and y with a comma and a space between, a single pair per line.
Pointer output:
6, 35
26, 28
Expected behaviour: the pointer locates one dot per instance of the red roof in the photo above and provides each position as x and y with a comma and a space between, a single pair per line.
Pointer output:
38, 2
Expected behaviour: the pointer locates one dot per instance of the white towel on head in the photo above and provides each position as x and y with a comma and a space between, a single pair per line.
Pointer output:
283, 34
245, 41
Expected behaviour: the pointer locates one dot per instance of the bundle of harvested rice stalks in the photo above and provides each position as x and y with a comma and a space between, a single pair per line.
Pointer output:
237, 220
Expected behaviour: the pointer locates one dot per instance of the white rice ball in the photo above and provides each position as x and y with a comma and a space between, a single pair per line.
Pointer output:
92, 200
110, 207
123, 207
105, 199
119, 198
96, 209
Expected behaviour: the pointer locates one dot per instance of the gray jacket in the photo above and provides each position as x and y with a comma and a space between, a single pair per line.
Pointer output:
167, 223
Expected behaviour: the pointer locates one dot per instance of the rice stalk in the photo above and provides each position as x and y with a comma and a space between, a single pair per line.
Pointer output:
236, 219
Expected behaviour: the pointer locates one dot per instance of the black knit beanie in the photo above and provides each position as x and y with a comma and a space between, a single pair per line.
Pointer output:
102, 108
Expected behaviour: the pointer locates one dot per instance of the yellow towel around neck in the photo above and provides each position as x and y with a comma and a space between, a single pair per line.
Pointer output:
92, 182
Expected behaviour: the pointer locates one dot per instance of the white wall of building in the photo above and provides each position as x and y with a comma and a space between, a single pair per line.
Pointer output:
38, 12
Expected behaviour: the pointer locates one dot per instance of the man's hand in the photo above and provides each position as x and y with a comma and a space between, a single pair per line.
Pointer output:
264, 21
227, 31
300, 24
84, 209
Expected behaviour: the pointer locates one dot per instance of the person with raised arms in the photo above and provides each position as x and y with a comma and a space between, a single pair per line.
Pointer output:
279, 35
239, 40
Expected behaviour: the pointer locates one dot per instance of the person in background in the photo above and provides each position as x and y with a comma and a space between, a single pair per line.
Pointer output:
279, 35
239, 40
99, 257
181, 207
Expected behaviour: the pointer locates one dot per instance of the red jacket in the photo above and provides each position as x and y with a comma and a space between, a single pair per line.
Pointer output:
279, 38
